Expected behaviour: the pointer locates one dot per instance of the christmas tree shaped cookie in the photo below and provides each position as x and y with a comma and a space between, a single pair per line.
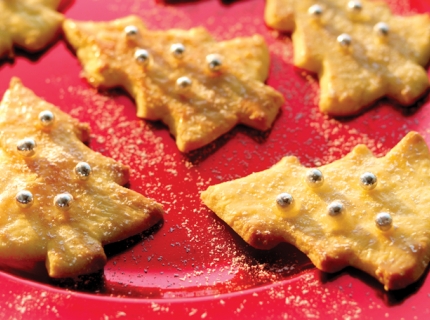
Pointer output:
198, 87
28, 24
370, 213
360, 51
60, 202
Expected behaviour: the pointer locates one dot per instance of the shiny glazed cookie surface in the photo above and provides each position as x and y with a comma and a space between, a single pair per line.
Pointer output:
198, 87
359, 49
60, 201
370, 213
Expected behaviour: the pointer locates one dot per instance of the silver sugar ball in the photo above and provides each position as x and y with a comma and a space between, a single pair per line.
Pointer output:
381, 29
355, 5
344, 40
384, 221
284, 200
183, 82
368, 181
142, 56
26, 147
178, 50
63, 201
83, 170
131, 31
314, 178
214, 62
24, 198
335, 208
46, 118
315, 10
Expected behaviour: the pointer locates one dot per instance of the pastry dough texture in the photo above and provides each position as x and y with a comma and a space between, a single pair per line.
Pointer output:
208, 104
386, 54
101, 211
396, 254
28, 24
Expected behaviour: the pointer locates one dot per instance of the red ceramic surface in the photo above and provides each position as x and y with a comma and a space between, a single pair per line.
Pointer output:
194, 266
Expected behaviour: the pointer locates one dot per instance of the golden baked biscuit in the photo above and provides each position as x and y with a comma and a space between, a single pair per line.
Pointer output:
28, 24
366, 212
198, 87
360, 51
59, 200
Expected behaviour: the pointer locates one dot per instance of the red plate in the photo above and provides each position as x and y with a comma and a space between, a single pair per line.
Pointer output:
194, 265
